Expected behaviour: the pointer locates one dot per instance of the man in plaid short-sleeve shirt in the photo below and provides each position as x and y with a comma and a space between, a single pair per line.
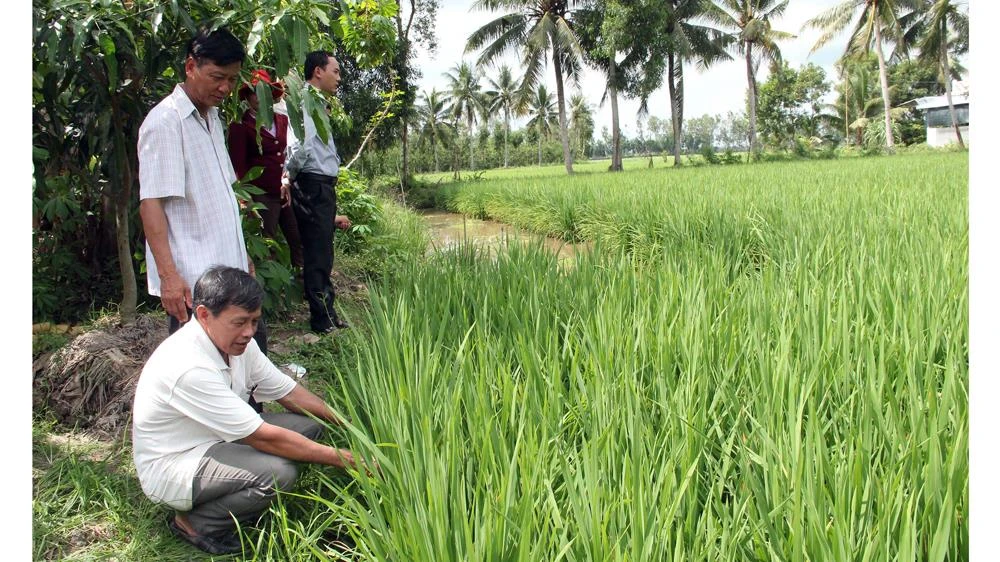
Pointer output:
189, 213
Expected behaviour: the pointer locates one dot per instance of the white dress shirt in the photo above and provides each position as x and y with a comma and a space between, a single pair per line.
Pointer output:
187, 399
183, 160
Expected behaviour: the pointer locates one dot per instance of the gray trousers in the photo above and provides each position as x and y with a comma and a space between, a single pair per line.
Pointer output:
236, 482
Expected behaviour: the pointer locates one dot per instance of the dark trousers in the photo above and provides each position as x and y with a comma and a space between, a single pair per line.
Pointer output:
274, 215
314, 198
260, 336
236, 482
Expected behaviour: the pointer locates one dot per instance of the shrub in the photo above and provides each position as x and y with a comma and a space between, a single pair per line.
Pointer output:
708, 153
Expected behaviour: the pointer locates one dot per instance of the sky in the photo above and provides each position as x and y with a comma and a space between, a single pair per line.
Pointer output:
718, 90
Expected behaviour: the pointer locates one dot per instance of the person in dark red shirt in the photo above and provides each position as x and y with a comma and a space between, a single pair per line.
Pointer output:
270, 155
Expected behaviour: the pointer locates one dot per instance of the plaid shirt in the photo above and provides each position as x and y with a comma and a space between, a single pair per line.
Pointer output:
183, 160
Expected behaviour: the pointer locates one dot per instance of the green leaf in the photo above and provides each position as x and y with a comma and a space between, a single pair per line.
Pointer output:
79, 36
300, 39
265, 106
110, 61
321, 15
277, 17
256, 33
157, 18
281, 53
939, 546
252, 174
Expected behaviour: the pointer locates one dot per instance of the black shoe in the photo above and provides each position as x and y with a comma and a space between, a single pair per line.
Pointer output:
341, 324
324, 331
228, 544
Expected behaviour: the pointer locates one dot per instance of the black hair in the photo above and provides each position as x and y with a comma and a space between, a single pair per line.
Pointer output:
222, 286
316, 59
220, 47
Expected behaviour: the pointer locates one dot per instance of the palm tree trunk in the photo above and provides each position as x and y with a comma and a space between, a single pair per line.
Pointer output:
434, 149
472, 148
675, 116
945, 67
506, 131
616, 134
563, 132
752, 92
884, 78
847, 112
539, 144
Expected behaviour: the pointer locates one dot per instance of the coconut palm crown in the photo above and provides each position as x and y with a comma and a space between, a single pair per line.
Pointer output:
538, 28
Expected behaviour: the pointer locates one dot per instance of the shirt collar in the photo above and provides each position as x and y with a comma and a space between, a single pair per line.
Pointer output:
185, 106
197, 333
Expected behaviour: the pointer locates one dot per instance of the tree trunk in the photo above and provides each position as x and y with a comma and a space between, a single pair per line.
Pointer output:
675, 109
406, 152
616, 134
752, 92
539, 144
946, 68
129, 289
847, 113
506, 131
563, 131
884, 78
123, 195
472, 148
434, 149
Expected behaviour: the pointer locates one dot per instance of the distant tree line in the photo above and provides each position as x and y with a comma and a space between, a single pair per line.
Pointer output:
897, 50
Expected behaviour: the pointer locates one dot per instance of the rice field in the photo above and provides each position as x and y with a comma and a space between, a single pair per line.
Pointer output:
761, 362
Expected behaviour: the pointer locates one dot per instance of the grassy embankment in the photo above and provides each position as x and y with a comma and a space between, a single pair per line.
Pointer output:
754, 363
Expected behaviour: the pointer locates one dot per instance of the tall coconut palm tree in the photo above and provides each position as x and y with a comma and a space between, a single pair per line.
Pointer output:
859, 96
432, 115
604, 30
875, 23
542, 109
504, 97
686, 39
750, 23
466, 98
539, 28
581, 119
945, 30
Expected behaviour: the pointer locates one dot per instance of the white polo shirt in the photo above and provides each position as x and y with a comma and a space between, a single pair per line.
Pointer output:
187, 399
183, 159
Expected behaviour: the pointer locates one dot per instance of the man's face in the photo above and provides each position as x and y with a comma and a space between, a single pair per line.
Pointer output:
328, 77
230, 331
208, 84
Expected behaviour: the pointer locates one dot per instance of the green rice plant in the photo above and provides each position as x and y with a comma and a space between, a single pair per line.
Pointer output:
766, 362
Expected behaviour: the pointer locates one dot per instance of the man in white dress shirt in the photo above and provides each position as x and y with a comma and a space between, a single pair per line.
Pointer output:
198, 446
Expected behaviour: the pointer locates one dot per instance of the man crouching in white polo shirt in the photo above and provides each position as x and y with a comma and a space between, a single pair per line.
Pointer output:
198, 446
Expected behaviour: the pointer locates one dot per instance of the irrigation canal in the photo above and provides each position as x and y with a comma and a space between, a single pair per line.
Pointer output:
450, 229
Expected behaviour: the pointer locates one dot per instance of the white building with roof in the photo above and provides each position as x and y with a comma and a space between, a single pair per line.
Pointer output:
937, 116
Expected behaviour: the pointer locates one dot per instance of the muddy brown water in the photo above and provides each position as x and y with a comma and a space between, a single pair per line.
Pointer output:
450, 229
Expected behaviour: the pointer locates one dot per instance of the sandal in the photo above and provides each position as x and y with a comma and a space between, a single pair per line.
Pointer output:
212, 545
